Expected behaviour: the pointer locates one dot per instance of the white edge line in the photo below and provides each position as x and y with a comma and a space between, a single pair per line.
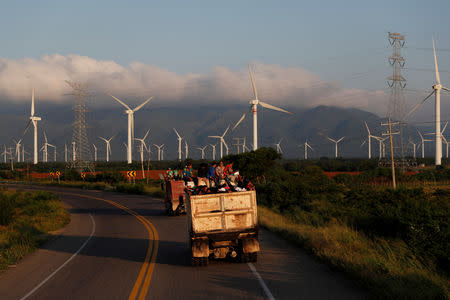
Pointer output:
261, 281
64, 264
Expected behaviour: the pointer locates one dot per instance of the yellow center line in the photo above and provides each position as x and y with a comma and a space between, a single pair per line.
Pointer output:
146, 271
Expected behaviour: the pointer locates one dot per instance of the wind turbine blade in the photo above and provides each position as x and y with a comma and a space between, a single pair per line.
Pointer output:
132, 125
420, 134
32, 102
310, 147
362, 144
438, 79
239, 122
45, 137
120, 101
418, 105
143, 103
367, 127
340, 139
443, 129
177, 133
214, 136
225, 144
103, 139
255, 92
444, 88
225, 131
26, 128
269, 106
145, 136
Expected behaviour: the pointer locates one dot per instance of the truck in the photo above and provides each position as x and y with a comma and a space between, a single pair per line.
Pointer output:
174, 200
222, 225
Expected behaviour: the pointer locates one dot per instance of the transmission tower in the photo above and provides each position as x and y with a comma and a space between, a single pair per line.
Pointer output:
82, 160
397, 84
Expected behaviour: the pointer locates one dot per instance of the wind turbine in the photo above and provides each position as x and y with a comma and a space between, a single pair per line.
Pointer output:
414, 145
222, 141
141, 151
130, 112
108, 146
142, 146
4, 153
179, 144
423, 143
306, 148
44, 149
33, 120
54, 151
18, 149
369, 137
336, 142
202, 150
437, 106
95, 152
213, 151
254, 108
159, 147
279, 146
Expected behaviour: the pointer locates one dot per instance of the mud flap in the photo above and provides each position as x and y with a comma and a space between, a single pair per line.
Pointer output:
250, 245
200, 248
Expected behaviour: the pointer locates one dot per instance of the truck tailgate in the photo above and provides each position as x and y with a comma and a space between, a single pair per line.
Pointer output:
222, 212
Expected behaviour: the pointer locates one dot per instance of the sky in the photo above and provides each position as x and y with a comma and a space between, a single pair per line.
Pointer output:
304, 53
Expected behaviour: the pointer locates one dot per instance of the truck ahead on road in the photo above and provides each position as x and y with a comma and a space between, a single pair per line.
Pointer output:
174, 200
222, 225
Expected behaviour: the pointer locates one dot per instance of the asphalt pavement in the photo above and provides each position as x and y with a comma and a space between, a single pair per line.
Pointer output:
120, 246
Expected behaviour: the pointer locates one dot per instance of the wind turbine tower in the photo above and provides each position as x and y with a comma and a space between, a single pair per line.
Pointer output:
95, 152
186, 149
213, 151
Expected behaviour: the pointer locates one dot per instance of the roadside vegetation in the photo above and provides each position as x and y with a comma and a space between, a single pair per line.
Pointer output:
26, 218
395, 242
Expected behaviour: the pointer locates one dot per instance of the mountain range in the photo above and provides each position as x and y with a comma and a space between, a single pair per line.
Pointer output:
196, 122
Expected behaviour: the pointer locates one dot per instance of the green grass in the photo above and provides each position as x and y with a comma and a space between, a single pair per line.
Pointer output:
25, 220
387, 267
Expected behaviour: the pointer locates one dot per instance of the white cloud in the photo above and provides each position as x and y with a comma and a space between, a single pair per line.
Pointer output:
288, 86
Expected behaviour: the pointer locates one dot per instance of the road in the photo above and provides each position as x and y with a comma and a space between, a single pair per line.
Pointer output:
123, 247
